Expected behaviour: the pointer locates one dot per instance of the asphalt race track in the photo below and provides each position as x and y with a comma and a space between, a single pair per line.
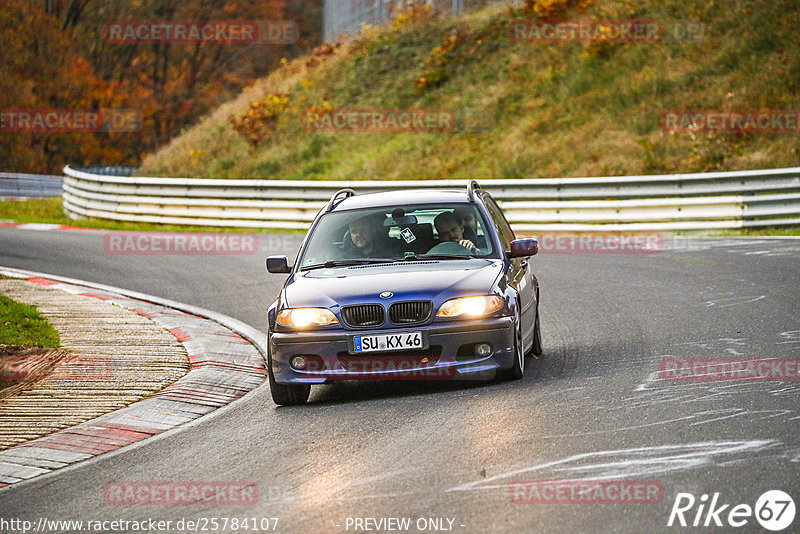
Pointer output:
593, 407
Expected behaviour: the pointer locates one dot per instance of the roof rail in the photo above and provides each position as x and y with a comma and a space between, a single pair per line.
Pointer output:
472, 186
346, 192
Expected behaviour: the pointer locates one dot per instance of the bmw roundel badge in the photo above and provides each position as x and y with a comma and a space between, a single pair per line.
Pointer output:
386, 294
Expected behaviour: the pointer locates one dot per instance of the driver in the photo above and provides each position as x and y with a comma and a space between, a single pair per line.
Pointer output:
450, 229
370, 238
466, 216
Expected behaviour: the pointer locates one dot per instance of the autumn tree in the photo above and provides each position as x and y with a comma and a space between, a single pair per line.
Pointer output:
41, 68
55, 54
173, 84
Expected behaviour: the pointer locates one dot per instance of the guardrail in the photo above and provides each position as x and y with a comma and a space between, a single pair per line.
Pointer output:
14, 184
679, 202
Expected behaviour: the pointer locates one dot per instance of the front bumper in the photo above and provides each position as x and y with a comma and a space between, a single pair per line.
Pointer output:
450, 354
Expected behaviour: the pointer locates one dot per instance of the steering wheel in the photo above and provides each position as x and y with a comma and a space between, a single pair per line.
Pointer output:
450, 247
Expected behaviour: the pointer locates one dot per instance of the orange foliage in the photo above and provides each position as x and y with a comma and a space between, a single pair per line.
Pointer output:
56, 55
40, 69
260, 119
555, 8
410, 13
435, 73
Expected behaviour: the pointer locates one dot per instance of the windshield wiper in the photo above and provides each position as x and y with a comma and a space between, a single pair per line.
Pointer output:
438, 257
344, 263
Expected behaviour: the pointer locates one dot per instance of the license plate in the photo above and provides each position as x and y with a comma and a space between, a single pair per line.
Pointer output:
386, 342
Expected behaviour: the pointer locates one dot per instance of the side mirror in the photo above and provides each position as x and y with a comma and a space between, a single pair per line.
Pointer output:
278, 265
522, 248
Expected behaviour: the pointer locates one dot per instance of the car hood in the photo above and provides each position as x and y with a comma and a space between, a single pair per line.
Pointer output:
422, 280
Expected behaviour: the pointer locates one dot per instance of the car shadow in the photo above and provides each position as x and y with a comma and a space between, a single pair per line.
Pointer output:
563, 359
347, 391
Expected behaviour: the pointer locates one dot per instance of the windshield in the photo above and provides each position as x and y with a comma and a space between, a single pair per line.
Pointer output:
398, 233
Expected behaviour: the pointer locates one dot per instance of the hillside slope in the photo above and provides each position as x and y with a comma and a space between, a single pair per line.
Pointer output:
530, 108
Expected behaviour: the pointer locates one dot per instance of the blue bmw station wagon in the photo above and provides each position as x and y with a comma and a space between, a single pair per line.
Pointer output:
403, 285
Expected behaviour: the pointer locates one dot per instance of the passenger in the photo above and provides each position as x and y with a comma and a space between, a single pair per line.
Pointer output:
466, 216
450, 229
369, 238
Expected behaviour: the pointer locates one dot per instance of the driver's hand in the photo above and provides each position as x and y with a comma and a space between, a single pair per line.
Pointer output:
468, 244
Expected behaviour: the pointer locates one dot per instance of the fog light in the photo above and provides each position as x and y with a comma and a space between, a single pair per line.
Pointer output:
298, 362
483, 349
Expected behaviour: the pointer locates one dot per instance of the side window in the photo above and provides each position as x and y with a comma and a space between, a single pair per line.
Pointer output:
499, 220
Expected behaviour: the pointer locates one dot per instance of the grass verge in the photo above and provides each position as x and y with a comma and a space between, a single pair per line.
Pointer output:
22, 324
766, 231
50, 211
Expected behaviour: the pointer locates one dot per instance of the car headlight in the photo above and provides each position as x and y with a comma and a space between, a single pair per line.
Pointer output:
470, 306
303, 317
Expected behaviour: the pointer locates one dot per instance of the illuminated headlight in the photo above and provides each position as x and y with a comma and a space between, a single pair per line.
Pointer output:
303, 317
470, 306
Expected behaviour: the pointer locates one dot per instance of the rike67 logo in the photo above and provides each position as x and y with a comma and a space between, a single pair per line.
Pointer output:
774, 510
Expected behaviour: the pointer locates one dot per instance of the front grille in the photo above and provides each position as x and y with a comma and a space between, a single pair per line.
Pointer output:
363, 315
410, 312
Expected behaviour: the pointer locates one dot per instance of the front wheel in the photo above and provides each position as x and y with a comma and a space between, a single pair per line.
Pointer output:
536, 348
286, 394
518, 369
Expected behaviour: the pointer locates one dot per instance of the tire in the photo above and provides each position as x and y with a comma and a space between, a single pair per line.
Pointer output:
518, 369
286, 394
536, 348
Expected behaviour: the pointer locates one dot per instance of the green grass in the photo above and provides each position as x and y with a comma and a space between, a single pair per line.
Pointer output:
21, 324
41, 210
50, 211
548, 109
766, 231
